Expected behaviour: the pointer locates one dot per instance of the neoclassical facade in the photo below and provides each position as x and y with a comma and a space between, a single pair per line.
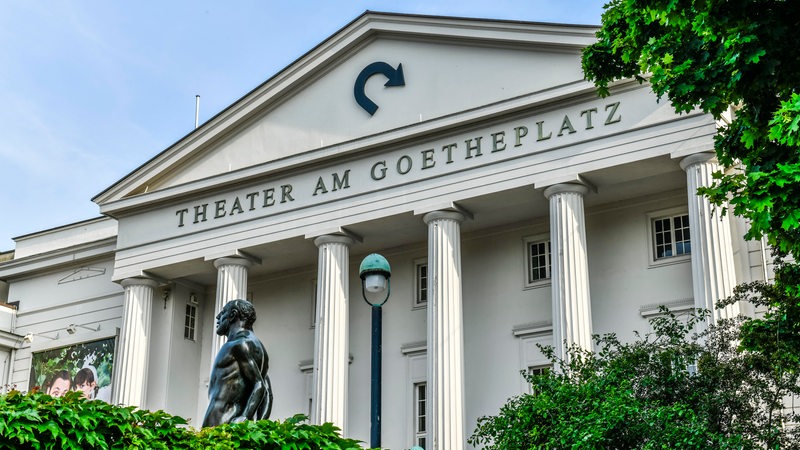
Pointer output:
515, 206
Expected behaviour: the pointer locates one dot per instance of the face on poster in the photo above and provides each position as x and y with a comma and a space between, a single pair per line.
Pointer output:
84, 367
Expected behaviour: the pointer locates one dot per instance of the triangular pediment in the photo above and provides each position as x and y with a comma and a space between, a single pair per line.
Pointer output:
322, 100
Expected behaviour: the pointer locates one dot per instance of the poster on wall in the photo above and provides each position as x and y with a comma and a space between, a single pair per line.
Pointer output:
84, 367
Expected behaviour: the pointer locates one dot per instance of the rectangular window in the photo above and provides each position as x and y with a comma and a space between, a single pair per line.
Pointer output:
538, 370
537, 260
309, 378
313, 303
420, 283
671, 236
420, 430
415, 397
190, 322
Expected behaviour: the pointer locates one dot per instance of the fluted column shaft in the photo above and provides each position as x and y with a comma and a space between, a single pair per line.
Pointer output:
713, 271
445, 332
130, 367
572, 312
231, 285
331, 341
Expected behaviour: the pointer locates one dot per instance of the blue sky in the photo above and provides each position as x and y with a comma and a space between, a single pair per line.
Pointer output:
92, 89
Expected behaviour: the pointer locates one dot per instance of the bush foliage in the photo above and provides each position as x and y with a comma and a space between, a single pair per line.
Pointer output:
671, 388
39, 421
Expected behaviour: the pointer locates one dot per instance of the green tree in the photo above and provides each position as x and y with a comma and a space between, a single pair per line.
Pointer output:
719, 56
669, 389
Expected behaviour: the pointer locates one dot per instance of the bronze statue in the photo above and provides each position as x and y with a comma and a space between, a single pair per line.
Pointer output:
239, 388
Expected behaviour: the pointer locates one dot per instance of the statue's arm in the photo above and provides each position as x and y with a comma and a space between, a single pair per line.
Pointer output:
253, 380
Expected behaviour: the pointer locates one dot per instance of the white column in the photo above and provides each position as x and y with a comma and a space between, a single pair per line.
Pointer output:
572, 312
231, 285
130, 367
445, 332
331, 343
713, 272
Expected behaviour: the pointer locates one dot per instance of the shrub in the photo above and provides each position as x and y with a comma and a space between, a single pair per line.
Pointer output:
39, 421
269, 435
670, 389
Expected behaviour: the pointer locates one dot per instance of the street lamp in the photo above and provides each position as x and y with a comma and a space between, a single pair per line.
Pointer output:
375, 272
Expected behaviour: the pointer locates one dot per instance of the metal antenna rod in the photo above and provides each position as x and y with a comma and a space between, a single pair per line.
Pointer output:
196, 111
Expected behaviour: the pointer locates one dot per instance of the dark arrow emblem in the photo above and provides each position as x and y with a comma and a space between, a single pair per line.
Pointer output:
395, 77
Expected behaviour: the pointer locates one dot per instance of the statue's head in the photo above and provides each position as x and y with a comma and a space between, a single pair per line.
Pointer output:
236, 310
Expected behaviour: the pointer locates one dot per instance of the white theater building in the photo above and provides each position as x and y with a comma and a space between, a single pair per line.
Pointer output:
514, 205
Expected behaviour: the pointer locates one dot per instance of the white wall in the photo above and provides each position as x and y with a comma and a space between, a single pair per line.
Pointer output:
5, 366
184, 370
82, 294
621, 278
161, 341
496, 301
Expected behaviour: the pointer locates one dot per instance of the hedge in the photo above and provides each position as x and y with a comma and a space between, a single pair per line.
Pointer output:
38, 421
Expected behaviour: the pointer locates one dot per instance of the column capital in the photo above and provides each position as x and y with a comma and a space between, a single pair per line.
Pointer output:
334, 239
139, 281
560, 188
232, 261
443, 215
698, 158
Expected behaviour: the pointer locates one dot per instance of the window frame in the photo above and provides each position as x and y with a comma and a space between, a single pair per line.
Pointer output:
538, 369
307, 370
531, 337
528, 242
313, 284
190, 322
419, 288
416, 373
420, 436
671, 214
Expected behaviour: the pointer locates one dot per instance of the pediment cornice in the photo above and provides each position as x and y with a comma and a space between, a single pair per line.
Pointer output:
145, 184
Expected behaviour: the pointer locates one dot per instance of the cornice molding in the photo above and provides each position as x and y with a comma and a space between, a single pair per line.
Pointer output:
48, 261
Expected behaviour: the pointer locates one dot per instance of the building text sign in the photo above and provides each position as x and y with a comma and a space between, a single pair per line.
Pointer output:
536, 134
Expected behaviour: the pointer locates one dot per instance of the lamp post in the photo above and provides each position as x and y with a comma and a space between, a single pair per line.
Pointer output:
375, 272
